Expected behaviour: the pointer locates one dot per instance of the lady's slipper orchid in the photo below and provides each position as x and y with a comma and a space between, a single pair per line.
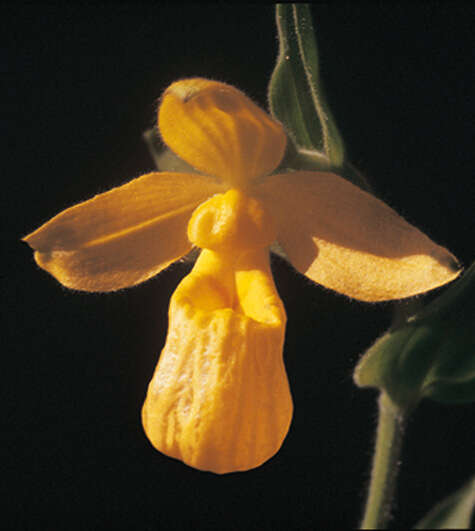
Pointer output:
219, 399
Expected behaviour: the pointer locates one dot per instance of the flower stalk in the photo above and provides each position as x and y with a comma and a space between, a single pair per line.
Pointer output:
385, 466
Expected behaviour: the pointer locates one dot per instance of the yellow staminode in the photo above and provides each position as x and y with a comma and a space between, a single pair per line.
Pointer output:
219, 399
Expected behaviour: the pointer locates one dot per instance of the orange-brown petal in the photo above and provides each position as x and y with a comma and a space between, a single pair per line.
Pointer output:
350, 241
124, 236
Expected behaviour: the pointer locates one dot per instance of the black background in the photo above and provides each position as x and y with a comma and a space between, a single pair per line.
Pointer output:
81, 86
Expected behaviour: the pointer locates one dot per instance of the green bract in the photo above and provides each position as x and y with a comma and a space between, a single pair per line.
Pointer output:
295, 93
431, 355
297, 100
455, 512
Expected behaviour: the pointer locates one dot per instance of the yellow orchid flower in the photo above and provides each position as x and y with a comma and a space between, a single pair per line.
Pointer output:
219, 399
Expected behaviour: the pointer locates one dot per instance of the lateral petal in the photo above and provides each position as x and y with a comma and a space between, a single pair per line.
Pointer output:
350, 241
124, 236
219, 399
220, 131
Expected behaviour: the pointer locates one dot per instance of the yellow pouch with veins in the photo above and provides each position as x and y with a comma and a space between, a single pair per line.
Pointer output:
219, 399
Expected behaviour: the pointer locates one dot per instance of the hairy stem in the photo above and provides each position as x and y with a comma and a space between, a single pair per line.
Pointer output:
385, 465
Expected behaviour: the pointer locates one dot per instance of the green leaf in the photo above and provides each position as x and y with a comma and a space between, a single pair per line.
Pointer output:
295, 93
296, 99
455, 512
432, 354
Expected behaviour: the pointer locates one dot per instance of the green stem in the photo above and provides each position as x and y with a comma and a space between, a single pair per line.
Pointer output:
385, 465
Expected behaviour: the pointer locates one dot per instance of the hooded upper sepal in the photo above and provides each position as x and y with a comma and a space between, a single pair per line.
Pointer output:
219, 131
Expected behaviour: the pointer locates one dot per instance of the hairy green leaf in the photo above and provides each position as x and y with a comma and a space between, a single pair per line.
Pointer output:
295, 93
432, 354
455, 512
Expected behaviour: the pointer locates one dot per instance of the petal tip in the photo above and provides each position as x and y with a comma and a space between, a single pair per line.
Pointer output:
185, 89
29, 239
449, 261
